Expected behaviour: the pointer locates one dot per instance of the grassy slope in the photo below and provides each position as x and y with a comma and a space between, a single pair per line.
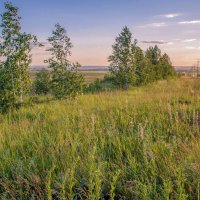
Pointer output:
140, 144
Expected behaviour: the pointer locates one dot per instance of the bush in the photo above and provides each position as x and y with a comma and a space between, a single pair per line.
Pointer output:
67, 83
100, 86
42, 82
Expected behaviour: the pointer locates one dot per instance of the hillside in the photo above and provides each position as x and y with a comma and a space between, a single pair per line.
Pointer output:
138, 144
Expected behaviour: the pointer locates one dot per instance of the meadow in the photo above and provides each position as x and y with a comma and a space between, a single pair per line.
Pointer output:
143, 143
91, 76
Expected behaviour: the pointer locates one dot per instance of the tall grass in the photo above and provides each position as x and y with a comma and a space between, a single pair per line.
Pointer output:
138, 144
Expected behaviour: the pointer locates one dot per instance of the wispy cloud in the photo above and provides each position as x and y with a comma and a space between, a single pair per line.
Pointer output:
170, 43
189, 40
190, 22
156, 25
171, 15
156, 42
161, 24
153, 42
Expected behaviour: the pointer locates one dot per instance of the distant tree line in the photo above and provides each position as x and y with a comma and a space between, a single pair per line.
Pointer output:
129, 65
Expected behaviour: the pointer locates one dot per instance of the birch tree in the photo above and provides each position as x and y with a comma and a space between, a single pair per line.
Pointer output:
15, 47
122, 65
65, 79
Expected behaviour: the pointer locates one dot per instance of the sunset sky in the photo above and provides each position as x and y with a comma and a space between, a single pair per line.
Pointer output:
174, 25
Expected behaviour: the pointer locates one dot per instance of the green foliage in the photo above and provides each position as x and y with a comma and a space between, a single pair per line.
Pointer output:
166, 68
140, 65
66, 84
95, 86
160, 65
6, 93
100, 85
122, 60
15, 48
42, 83
60, 49
153, 54
65, 80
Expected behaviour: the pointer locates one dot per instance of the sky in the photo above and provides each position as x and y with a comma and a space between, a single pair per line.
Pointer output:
92, 25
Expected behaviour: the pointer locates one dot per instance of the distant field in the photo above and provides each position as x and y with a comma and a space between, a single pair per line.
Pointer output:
143, 143
89, 75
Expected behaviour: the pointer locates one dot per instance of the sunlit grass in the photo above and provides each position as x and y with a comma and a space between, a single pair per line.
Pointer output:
138, 144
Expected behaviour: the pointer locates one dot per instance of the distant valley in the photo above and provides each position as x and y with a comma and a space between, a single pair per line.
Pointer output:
105, 68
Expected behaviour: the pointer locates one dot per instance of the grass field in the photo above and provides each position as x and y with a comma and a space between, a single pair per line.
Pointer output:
138, 144
90, 76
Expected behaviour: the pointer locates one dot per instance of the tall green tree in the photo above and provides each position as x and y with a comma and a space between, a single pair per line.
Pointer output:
24, 58
153, 54
160, 66
15, 47
166, 68
140, 66
122, 66
66, 81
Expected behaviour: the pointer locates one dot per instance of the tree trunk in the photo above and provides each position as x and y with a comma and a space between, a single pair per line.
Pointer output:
21, 88
13, 83
21, 95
